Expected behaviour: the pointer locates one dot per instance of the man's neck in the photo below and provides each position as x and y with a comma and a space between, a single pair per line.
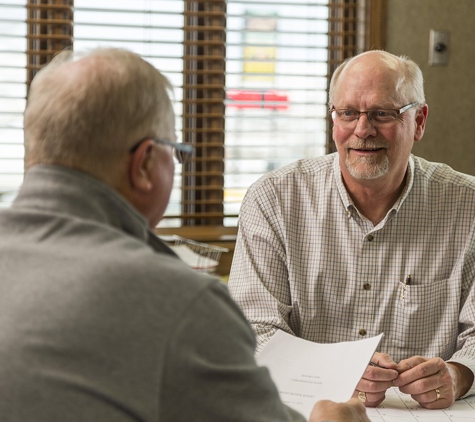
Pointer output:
374, 198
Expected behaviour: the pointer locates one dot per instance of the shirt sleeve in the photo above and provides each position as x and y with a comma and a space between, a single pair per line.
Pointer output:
212, 372
465, 353
259, 280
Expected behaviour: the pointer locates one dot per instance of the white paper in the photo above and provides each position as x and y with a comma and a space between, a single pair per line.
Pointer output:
306, 372
400, 407
193, 259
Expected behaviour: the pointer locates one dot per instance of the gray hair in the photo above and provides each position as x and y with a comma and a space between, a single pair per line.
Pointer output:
410, 86
87, 109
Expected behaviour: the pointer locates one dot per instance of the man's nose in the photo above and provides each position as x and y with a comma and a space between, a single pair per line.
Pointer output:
364, 127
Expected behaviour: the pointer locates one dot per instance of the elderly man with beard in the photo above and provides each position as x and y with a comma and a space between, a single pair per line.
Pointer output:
367, 240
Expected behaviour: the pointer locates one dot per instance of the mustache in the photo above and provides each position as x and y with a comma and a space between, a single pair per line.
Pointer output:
366, 144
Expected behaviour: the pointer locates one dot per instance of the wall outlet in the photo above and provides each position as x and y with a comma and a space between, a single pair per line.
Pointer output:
439, 46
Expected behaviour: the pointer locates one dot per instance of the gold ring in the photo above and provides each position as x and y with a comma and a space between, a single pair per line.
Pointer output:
437, 393
362, 396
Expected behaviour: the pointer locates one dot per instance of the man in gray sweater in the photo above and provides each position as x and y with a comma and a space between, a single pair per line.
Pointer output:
100, 321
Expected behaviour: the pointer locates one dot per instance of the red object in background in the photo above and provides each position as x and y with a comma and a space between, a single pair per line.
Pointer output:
270, 99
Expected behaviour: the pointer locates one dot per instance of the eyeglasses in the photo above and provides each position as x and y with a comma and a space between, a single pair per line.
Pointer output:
376, 117
182, 152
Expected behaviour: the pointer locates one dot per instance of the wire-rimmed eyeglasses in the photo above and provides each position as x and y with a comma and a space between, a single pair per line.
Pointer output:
376, 117
182, 152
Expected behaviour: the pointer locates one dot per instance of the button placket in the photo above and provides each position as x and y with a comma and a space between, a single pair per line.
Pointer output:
367, 286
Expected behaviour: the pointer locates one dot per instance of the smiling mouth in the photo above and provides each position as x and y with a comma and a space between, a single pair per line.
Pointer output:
366, 149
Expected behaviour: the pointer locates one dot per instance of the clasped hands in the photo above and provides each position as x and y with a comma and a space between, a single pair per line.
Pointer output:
433, 383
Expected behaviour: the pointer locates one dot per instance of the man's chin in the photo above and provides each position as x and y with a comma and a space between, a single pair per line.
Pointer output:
367, 171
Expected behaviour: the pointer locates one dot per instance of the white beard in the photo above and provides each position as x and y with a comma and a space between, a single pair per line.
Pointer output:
367, 167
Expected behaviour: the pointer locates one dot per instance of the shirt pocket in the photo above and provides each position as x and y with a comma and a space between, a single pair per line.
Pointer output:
425, 320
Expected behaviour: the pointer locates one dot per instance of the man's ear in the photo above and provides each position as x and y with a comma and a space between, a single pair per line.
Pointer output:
141, 166
421, 118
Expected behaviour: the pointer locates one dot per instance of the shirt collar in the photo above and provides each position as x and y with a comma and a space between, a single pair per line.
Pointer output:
348, 202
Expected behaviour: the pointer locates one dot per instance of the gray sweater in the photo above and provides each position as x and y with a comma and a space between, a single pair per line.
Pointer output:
100, 321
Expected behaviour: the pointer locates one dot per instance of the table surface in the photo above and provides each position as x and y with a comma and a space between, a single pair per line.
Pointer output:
400, 407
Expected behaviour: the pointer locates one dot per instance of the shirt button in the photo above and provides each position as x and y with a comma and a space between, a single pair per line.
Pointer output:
370, 238
362, 332
367, 286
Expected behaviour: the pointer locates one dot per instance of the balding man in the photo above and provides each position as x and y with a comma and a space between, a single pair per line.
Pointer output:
367, 240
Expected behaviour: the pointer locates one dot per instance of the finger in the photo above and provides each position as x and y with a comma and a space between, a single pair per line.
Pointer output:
374, 373
427, 397
383, 360
407, 364
371, 386
374, 399
370, 399
371, 403
439, 404
424, 376
434, 399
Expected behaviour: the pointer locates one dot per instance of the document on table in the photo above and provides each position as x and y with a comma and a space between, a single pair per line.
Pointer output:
306, 372
400, 407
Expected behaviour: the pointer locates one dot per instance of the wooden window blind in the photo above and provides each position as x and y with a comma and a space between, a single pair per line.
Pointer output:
13, 76
204, 75
250, 80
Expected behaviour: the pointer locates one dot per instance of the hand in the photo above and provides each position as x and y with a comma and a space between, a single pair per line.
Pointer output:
376, 380
433, 383
325, 410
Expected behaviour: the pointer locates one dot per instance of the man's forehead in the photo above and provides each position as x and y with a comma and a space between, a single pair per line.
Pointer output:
360, 81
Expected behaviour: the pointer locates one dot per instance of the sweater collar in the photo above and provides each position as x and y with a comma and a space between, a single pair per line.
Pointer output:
61, 190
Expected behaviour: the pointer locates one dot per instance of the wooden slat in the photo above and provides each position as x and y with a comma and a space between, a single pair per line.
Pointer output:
50, 30
51, 6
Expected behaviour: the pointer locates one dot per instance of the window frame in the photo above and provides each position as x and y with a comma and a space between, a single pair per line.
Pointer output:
355, 26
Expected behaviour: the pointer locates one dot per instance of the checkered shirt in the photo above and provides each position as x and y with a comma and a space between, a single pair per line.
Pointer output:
307, 262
